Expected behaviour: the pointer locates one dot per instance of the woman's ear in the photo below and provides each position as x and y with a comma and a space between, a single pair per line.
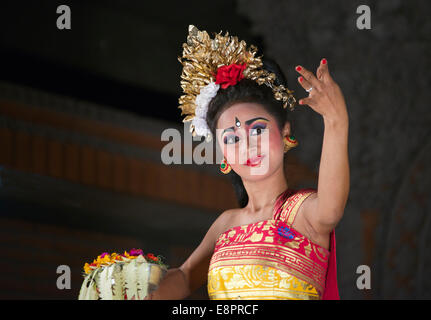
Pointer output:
286, 129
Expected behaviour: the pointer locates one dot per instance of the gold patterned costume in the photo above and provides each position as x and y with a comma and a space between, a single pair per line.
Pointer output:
269, 259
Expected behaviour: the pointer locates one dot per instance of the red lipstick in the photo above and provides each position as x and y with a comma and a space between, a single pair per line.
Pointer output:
254, 161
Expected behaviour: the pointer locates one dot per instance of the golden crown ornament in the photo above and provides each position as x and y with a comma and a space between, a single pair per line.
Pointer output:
205, 61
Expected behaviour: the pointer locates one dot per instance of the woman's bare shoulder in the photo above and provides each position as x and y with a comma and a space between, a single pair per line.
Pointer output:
224, 221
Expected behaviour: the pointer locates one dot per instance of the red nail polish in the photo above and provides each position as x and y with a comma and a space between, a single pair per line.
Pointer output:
323, 61
298, 68
300, 79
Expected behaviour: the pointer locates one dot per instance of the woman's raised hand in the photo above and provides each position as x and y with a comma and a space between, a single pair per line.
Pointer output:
325, 96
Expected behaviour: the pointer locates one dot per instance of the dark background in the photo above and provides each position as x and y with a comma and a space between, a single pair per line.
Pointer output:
122, 56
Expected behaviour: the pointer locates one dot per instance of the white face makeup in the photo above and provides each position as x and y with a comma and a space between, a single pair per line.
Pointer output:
253, 146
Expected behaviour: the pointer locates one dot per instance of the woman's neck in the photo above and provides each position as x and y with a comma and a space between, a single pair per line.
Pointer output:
263, 194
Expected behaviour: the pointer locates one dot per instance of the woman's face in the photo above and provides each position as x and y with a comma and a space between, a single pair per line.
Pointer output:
250, 140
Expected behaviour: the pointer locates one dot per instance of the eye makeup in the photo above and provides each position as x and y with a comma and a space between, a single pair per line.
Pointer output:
257, 127
258, 124
261, 123
230, 138
246, 122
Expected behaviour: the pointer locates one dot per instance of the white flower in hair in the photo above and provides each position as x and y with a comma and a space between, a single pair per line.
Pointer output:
201, 126
202, 101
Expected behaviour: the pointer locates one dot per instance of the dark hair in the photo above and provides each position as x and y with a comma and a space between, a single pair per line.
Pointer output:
248, 90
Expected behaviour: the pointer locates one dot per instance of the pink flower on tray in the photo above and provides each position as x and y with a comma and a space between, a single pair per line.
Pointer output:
136, 252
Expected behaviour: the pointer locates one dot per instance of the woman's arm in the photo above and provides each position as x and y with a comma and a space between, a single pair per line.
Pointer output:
174, 286
334, 176
179, 283
325, 210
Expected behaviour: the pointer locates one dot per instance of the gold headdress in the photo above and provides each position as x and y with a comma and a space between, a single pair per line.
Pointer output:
202, 57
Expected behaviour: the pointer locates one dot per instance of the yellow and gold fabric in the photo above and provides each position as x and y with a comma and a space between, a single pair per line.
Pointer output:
269, 259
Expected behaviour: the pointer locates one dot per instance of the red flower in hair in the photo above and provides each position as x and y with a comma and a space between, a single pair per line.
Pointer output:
230, 75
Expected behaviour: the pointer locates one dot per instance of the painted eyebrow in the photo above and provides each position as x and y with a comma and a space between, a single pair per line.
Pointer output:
248, 122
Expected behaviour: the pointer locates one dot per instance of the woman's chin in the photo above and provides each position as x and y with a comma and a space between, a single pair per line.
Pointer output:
254, 173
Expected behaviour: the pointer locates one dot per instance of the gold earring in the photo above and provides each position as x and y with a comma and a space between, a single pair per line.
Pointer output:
225, 167
289, 143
